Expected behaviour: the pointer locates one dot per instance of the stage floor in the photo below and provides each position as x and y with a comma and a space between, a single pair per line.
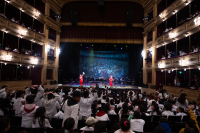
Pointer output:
101, 86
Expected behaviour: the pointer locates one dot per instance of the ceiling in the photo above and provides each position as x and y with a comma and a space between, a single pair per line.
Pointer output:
142, 2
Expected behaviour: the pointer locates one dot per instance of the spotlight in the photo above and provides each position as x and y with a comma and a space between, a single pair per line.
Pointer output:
5, 63
33, 66
20, 65
121, 48
86, 47
184, 69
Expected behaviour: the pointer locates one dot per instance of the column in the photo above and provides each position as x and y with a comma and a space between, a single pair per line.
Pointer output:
56, 66
47, 9
44, 53
144, 57
154, 56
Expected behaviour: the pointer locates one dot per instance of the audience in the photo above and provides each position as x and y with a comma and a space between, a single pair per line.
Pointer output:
182, 101
124, 127
68, 126
164, 125
167, 108
90, 122
39, 120
137, 123
163, 57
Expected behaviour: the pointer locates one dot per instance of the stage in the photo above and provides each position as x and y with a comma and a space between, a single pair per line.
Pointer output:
115, 87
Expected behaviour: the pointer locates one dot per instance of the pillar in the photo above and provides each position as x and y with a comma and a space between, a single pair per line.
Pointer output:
154, 56
47, 9
44, 53
56, 66
144, 57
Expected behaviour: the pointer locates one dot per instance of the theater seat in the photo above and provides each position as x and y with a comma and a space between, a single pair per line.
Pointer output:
146, 118
81, 123
124, 116
148, 127
113, 117
156, 118
16, 121
185, 118
177, 126
174, 118
56, 123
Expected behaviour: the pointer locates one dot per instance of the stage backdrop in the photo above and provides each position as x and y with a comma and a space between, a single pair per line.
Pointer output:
104, 63
111, 59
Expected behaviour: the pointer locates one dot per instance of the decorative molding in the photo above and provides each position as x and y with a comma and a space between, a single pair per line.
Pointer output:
92, 40
101, 24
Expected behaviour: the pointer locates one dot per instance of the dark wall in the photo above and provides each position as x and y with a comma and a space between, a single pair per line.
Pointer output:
70, 54
114, 12
101, 32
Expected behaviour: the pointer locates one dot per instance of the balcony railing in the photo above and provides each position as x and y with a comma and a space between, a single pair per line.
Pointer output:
10, 27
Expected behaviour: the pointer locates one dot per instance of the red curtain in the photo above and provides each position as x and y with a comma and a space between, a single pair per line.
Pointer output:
102, 32
114, 12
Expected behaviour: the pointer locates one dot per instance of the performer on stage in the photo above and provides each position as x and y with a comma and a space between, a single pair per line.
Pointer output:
111, 81
81, 78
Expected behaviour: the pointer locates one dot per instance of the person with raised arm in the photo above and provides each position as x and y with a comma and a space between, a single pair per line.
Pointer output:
81, 78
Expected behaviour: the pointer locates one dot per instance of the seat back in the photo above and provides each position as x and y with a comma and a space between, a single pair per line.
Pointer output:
113, 117
81, 123
156, 118
16, 121
198, 118
146, 118
174, 118
56, 123
185, 118
124, 116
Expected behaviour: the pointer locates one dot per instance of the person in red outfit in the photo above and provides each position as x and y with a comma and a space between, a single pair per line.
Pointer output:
81, 78
111, 81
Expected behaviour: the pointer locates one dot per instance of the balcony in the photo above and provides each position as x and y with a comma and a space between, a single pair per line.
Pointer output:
172, 9
149, 45
183, 62
28, 9
180, 32
52, 43
10, 27
13, 58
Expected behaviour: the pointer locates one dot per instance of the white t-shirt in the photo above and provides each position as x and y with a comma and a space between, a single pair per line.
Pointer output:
137, 125
86, 128
118, 131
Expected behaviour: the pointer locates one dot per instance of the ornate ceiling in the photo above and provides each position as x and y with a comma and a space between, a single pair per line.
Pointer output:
60, 3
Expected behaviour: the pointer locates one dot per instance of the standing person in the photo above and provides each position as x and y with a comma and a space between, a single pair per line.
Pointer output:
28, 112
111, 81
18, 102
71, 107
81, 78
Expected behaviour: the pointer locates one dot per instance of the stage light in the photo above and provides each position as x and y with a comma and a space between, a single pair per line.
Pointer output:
169, 71
199, 68
33, 66
86, 47
180, 72
20, 65
161, 70
28, 67
142, 53
121, 48
5, 63
92, 45
184, 69
172, 70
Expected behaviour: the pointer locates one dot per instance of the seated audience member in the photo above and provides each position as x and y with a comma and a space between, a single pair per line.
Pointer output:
7, 48
90, 122
182, 53
192, 122
181, 22
4, 124
68, 126
39, 120
196, 83
159, 129
101, 115
85, 105
163, 57
174, 107
23, 25
13, 19
170, 28
19, 101
50, 102
124, 127
17, 22
116, 126
163, 124
3, 14
195, 49
176, 81
150, 101
149, 56
28, 112
166, 30
154, 109
179, 112
171, 54
109, 110
137, 123
191, 16
3, 93
182, 101
166, 94
95, 108
15, 50
168, 108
